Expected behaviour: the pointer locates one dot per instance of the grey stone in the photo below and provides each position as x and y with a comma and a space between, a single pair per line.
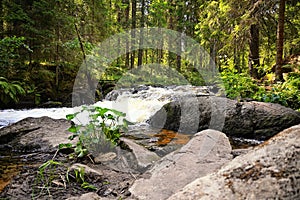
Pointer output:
134, 158
105, 157
87, 170
145, 158
254, 120
36, 134
204, 153
269, 171
88, 196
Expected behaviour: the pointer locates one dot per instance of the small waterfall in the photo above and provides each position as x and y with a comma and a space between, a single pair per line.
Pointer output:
138, 103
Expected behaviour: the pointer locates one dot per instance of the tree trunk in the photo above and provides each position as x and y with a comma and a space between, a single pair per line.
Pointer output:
170, 26
133, 26
140, 52
119, 17
1, 20
280, 39
127, 10
254, 51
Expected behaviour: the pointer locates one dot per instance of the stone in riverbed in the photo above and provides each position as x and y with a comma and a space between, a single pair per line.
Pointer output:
269, 171
256, 120
135, 158
87, 170
87, 196
36, 134
204, 153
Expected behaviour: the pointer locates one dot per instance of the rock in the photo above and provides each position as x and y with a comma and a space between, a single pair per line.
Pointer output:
105, 157
135, 158
145, 158
203, 154
269, 171
36, 134
88, 196
87, 170
254, 120
238, 152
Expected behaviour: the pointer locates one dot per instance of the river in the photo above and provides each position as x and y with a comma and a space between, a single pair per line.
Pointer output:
138, 103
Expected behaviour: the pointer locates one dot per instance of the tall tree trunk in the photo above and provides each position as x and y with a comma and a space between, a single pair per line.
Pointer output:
1, 20
93, 22
170, 26
280, 40
133, 26
119, 16
91, 87
254, 51
179, 48
127, 10
140, 52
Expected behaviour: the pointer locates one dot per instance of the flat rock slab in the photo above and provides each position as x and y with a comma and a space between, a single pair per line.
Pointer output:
36, 134
269, 171
206, 152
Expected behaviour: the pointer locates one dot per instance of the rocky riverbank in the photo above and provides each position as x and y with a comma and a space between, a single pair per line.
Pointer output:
204, 166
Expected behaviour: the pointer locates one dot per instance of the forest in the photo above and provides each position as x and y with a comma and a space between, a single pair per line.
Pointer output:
255, 45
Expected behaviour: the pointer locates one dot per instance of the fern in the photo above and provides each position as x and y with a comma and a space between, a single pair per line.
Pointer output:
10, 91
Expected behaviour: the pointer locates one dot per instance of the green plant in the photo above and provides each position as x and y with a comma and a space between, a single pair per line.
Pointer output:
286, 93
101, 133
10, 91
238, 85
80, 178
47, 172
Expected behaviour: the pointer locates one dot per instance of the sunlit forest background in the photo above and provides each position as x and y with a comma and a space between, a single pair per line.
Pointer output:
254, 43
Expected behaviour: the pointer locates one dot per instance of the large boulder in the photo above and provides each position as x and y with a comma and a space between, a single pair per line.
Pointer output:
269, 171
206, 152
255, 120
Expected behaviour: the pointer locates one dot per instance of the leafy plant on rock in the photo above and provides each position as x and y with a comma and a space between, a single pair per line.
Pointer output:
100, 134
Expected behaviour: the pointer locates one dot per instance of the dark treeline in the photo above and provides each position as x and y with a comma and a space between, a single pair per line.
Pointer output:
44, 42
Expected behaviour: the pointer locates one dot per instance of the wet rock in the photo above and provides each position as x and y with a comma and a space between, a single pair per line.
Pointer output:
269, 171
254, 120
36, 134
206, 152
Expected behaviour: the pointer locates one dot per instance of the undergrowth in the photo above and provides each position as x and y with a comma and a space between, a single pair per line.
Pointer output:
241, 86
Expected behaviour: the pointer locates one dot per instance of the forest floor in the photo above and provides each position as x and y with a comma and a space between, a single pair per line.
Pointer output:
29, 184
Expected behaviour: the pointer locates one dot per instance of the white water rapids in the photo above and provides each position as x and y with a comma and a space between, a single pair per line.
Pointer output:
138, 104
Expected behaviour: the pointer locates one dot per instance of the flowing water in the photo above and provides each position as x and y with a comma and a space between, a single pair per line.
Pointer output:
138, 103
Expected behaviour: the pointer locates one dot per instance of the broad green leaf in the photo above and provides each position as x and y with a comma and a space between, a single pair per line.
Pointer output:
73, 129
65, 145
71, 116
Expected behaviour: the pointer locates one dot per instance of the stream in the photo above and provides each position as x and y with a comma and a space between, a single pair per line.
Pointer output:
138, 103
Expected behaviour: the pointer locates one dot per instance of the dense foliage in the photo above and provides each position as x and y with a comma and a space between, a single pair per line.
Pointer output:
43, 43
